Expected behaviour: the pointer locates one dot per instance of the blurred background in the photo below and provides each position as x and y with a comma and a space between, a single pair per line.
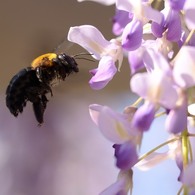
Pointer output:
67, 154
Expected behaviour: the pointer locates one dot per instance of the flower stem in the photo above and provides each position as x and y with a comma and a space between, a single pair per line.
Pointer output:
137, 101
158, 147
189, 37
185, 148
160, 114
185, 151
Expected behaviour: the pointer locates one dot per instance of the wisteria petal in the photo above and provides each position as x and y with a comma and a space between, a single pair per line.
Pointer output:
140, 9
120, 20
89, 38
189, 8
127, 5
177, 4
122, 185
143, 117
176, 120
174, 27
154, 87
184, 71
126, 155
94, 111
152, 14
188, 177
113, 126
132, 35
135, 59
191, 109
103, 74
157, 29
152, 160
107, 2
155, 60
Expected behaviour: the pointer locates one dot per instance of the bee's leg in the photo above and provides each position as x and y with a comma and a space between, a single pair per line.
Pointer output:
39, 106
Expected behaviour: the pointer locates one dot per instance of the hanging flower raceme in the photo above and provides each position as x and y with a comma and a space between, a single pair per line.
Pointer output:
107, 52
161, 54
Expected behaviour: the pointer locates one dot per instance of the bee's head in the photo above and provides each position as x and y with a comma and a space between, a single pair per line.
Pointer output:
69, 63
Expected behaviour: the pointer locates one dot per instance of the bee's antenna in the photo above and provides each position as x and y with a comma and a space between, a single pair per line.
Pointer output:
77, 56
83, 54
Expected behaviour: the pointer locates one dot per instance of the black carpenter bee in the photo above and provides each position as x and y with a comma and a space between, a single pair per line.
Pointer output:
34, 82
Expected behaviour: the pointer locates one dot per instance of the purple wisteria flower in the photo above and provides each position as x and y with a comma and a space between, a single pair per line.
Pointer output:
153, 87
120, 20
133, 31
116, 127
171, 25
108, 52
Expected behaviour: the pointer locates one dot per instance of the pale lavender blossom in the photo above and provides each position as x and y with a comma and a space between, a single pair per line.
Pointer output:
133, 31
120, 20
184, 67
107, 52
189, 8
155, 86
132, 35
176, 121
150, 51
141, 10
171, 25
116, 127
144, 116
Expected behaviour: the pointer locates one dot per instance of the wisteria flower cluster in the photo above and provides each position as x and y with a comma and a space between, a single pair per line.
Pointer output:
158, 39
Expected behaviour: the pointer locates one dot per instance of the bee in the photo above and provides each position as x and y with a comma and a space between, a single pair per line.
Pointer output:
34, 82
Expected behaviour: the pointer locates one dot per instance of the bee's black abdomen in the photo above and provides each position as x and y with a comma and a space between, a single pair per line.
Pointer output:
15, 93
23, 87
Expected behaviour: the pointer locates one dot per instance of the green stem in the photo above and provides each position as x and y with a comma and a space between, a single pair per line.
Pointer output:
185, 148
160, 114
185, 152
189, 37
137, 101
158, 147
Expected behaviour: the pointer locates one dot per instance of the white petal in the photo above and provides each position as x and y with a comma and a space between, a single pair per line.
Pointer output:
151, 160
89, 38
113, 126
94, 111
184, 67
189, 8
